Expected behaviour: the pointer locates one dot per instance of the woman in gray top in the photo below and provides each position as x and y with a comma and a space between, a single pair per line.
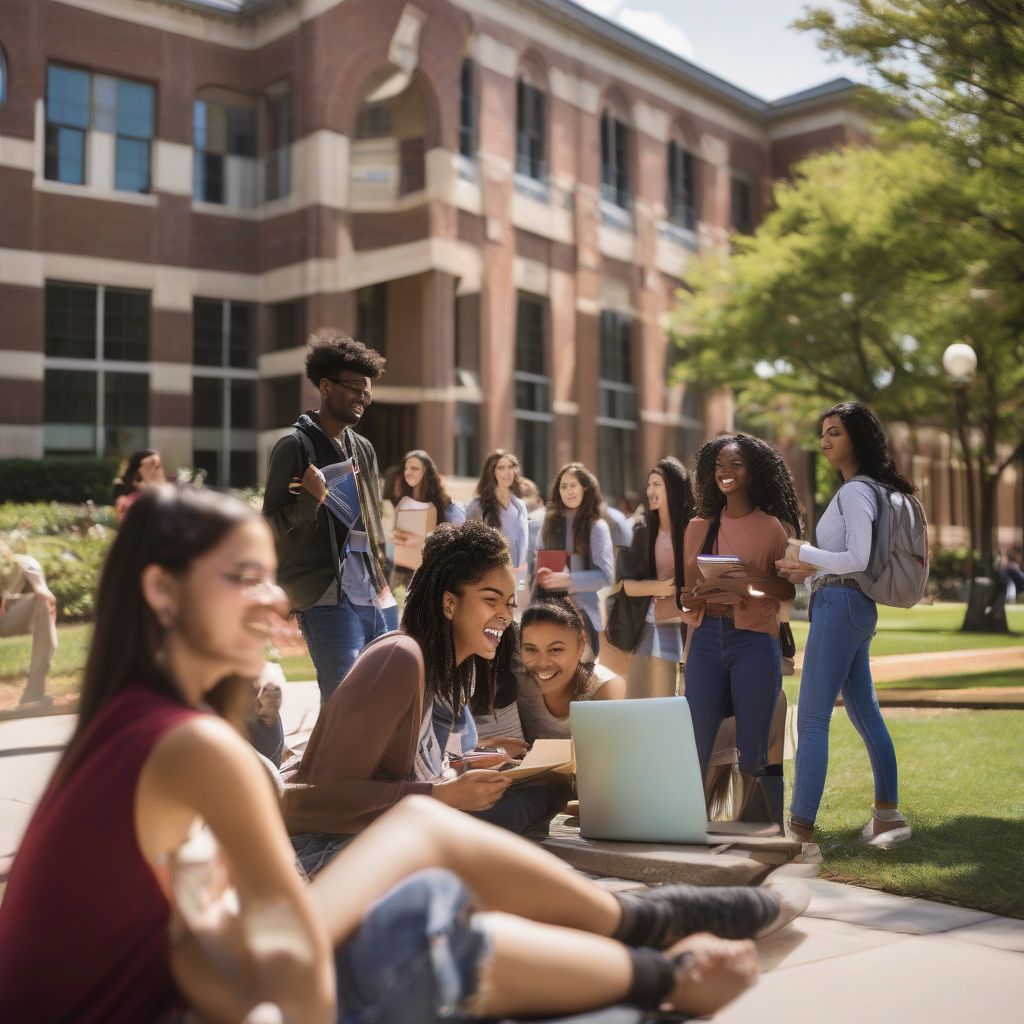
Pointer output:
498, 504
843, 619
575, 524
553, 672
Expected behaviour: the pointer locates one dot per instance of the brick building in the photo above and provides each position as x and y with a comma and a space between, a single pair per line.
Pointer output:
501, 195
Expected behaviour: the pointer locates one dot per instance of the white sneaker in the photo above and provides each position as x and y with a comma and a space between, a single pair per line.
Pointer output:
885, 834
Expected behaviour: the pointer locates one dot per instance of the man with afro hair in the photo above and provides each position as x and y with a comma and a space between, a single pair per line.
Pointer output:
335, 575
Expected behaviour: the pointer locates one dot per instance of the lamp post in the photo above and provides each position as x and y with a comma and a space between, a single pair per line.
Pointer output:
985, 611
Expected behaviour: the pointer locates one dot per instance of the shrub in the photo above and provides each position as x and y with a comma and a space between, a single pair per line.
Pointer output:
58, 478
72, 567
40, 519
948, 574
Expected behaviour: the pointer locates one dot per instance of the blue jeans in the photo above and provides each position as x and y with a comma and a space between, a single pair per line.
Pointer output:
417, 956
738, 669
336, 634
664, 641
837, 660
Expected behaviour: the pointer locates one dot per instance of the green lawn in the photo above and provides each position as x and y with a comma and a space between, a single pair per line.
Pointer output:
930, 628
962, 788
1006, 677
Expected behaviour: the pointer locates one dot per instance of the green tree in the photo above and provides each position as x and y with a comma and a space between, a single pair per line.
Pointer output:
866, 269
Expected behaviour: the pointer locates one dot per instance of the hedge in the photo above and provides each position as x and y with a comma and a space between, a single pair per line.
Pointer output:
69, 479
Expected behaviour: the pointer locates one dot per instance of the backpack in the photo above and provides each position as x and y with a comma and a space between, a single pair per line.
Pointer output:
897, 570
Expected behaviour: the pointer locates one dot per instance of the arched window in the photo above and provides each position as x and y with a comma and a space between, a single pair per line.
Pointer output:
616, 149
531, 126
682, 201
388, 156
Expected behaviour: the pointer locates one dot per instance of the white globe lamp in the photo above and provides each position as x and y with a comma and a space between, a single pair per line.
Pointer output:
960, 361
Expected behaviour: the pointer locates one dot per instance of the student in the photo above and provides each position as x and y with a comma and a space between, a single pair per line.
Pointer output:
28, 607
843, 619
575, 524
497, 503
386, 731
745, 502
143, 469
553, 672
658, 553
421, 481
335, 577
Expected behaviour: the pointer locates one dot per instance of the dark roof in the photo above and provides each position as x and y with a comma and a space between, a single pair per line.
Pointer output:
670, 63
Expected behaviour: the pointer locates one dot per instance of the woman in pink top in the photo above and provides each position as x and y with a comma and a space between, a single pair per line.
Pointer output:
746, 504
156, 873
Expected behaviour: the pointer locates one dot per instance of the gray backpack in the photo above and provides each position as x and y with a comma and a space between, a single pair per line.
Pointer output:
897, 571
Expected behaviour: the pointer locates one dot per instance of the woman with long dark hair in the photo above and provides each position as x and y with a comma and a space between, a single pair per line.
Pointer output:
497, 503
421, 481
746, 507
141, 470
575, 523
657, 557
183, 884
843, 619
555, 670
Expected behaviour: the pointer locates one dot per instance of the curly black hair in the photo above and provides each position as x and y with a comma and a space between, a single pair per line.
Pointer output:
558, 610
455, 557
871, 449
771, 483
679, 491
327, 355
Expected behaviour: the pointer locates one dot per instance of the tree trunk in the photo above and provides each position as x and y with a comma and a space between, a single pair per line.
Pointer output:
986, 606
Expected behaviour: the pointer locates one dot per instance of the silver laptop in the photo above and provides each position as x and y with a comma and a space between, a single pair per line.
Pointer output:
637, 773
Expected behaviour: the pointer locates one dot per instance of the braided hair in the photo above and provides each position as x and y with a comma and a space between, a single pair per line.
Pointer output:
590, 511
487, 485
558, 610
454, 557
771, 483
871, 449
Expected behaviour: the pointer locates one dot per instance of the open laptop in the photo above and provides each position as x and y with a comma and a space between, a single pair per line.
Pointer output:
637, 774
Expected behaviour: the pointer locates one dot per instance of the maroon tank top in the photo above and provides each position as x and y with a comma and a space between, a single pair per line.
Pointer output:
84, 923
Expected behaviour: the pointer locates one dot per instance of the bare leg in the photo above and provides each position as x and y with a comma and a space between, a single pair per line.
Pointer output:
503, 871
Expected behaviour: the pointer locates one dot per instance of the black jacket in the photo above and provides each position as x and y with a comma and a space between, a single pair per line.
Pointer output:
308, 538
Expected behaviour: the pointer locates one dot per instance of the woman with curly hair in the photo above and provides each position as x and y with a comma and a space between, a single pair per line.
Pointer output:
746, 506
657, 557
838, 655
575, 523
421, 481
497, 503
554, 672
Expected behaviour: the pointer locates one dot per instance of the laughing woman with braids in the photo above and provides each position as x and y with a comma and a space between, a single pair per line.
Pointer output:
746, 505
386, 731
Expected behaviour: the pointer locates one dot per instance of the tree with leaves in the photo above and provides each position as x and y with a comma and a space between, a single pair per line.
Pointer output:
873, 261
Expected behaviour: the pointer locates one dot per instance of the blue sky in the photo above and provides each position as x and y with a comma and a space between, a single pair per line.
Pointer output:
746, 42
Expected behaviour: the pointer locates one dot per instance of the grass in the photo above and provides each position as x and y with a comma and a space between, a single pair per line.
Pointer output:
962, 788
1004, 677
928, 628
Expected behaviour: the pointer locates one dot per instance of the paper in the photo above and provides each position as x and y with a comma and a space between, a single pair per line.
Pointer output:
342, 499
553, 559
544, 756
418, 518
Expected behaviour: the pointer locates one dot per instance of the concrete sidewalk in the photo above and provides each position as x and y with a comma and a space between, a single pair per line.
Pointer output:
856, 955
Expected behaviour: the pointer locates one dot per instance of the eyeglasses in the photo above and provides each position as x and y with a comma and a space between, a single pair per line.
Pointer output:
357, 389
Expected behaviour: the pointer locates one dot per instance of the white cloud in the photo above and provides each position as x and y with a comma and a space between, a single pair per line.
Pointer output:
659, 29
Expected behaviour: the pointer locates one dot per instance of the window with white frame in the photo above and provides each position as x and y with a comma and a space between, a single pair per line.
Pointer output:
117, 113
224, 149
96, 370
224, 386
533, 389
616, 406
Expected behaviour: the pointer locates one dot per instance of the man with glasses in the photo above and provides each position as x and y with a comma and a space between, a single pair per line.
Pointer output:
335, 575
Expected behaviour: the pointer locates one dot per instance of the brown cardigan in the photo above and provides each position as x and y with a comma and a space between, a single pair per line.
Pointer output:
360, 756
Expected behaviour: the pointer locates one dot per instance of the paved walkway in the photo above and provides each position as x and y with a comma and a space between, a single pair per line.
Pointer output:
856, 955
887, 668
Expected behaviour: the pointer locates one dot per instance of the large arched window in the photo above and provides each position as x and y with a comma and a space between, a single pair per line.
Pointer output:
388, 154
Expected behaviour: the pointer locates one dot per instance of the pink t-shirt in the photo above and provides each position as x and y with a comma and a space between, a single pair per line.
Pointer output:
757, 538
